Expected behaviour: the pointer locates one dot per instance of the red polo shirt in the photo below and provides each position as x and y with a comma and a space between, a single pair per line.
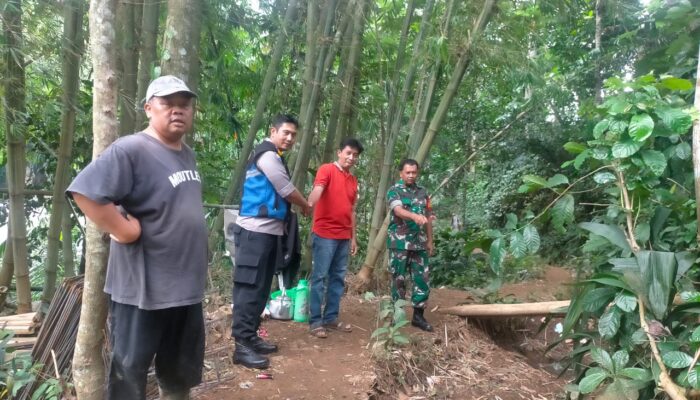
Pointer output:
333, 212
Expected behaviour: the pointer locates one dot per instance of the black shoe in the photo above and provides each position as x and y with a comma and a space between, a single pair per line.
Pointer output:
261, 346
419, 320
248, 357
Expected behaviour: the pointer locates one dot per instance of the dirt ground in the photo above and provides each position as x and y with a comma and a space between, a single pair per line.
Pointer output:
342, 366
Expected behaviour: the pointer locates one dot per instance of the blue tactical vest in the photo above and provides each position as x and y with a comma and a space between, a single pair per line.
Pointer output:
260, 199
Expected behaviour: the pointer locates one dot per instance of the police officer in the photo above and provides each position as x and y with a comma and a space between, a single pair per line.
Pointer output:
267, 196
410, 240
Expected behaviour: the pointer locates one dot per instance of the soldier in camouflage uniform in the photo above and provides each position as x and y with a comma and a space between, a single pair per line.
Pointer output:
410, 240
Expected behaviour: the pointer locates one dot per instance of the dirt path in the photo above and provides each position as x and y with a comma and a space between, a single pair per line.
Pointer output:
341, 367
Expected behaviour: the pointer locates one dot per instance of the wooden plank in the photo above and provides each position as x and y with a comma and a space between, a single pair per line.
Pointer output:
508, 310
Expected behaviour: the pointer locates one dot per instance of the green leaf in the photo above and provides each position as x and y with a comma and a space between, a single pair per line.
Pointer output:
401, 339
590, 382
657, 272
683, 151
677, 359
641, 126
620, 359
694, 377
609, 322
603, 359
617, 126
655, 160
597, 299
625, 148
642, 232
625, 301
685, 260
557, 180
574, 147
497, 253
617, 105
611, 232
638, 374
690, 296
535, 181
531, 238
579, 160
604, 177
678, 121
676, 83
695, 337
518, 247
600, 128
563, 212
512, 221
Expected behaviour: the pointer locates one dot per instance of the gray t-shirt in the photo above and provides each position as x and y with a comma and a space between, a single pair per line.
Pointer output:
167, 266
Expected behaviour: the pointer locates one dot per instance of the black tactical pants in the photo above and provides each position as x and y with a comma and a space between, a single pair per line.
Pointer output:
257, 256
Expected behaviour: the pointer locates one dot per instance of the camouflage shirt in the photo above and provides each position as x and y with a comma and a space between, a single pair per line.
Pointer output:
406, 234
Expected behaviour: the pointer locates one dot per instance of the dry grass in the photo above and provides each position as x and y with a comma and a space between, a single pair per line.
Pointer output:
462, 362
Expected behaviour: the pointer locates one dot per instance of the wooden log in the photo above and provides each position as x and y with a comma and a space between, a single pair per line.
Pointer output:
508, 310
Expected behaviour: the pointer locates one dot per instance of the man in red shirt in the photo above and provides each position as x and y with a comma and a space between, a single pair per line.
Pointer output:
333, 198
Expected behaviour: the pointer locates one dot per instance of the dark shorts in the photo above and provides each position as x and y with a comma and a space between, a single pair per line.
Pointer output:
174, 337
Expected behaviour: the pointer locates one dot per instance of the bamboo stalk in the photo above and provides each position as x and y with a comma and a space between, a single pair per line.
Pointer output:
508, 310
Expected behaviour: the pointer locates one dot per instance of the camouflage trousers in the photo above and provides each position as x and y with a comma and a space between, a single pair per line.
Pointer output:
404, 264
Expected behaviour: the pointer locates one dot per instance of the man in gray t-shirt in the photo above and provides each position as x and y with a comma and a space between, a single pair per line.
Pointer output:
145, 191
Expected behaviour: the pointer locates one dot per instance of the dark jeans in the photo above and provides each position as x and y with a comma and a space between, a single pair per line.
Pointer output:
174, 336
257, 255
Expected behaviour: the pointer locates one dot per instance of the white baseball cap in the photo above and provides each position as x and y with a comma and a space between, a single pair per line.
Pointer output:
167, 85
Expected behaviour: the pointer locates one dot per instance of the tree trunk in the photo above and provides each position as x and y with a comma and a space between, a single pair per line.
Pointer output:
182, 33
128, 57
72, 51
421, 121
147, 56
310, 54
303, 156
696, 147
377, 244
88, 365
67, 236
7, 270
338, 132
395, 108
15, 126
256, 122
598, 56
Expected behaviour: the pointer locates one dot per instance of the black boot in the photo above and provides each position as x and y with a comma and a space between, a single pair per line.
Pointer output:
262, 347
246, 356
419, 320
